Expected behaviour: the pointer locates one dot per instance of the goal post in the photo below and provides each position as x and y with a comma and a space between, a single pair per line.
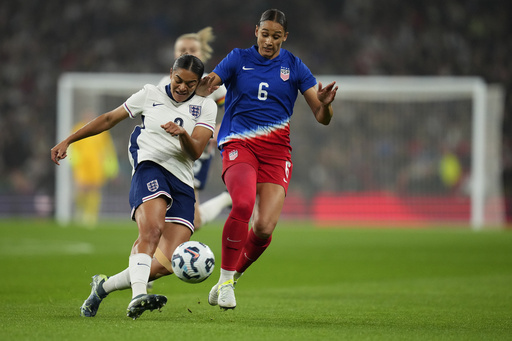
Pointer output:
484, 188
432, 88
378, 161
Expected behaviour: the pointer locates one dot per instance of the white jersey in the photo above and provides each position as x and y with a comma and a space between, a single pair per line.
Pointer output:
218, 95
150, 142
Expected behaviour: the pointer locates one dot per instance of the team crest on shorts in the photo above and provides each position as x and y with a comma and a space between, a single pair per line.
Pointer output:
153, 185
233, 155
285, 73
194, 110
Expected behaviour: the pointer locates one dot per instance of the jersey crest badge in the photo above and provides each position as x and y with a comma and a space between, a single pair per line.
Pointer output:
285, 73
194, 110
233, 155
153, 185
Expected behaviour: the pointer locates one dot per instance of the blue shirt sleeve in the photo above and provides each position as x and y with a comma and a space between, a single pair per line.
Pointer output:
226, 69
306, 78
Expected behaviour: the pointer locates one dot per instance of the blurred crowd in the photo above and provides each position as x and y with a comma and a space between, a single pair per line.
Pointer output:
40, 40
405, 147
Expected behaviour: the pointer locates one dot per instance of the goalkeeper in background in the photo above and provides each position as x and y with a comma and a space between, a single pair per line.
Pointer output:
94, 162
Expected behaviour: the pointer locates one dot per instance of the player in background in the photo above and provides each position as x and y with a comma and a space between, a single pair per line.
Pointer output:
176, 127
262, 85
198, 44
94, 162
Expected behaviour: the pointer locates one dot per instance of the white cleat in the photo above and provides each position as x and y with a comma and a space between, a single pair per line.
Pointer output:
213, 296
226, 295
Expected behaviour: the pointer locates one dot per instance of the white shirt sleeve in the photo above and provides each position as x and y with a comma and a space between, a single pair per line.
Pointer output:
208, 115
135, 103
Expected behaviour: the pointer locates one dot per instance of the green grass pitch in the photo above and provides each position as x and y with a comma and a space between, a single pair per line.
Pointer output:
311, 284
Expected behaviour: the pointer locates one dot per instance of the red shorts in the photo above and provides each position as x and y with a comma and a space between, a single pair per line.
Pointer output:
273, 163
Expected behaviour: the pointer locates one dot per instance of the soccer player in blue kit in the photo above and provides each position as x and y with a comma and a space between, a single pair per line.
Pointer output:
262, 85
176, 127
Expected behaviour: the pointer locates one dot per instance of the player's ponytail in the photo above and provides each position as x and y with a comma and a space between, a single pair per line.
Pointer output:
204, 37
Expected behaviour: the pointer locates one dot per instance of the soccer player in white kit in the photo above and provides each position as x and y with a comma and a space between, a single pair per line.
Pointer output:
176, 127
198, 44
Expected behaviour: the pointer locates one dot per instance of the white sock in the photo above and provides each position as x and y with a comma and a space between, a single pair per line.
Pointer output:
237, 275
225, 275
210, 209
139, 268
118, 281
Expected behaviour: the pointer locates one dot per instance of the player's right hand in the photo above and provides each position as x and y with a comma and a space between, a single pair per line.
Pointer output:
59, 152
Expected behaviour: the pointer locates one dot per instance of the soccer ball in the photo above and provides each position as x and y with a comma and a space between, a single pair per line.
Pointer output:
193, 262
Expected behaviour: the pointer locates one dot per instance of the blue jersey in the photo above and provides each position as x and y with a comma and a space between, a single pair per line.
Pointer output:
261, 94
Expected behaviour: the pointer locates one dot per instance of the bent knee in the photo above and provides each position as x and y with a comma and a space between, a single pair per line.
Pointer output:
242, 210
263, 230
150, 234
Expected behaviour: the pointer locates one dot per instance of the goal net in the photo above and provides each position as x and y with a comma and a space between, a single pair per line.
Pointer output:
399, 150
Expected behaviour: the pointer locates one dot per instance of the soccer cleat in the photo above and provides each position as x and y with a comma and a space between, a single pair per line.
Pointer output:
213, 296
92, 303
143, 302
226, 295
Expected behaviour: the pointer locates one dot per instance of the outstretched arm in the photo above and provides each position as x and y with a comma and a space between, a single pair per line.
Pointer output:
319, 100
94, 127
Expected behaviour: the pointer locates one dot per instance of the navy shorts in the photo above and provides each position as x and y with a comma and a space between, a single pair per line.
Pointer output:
151, 181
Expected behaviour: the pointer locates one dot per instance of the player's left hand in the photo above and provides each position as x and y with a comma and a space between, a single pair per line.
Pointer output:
326, 95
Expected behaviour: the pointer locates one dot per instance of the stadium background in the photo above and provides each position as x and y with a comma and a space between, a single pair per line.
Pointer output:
41, 40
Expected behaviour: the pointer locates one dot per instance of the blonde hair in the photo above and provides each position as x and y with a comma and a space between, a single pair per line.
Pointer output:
204, 37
